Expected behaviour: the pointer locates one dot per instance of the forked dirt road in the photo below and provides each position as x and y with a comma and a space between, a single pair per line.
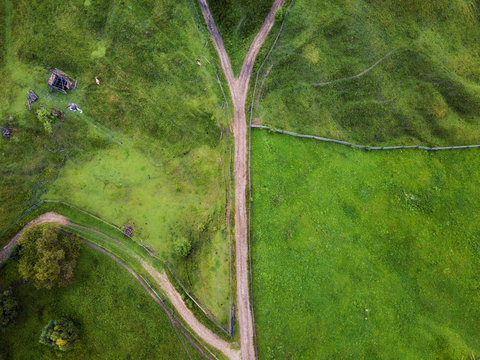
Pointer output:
238, 91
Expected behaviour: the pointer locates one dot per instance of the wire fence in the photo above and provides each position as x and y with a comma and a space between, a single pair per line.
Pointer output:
204, 38
249, 172
173, 317
135, 239
366, 147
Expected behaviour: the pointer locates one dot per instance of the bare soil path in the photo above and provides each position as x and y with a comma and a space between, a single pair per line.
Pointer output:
238, 91
160, 278
47, 217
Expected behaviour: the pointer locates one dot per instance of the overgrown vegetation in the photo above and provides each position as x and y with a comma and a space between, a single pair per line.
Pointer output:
417, 64
366, 255
238, 22
48, 256
102, 299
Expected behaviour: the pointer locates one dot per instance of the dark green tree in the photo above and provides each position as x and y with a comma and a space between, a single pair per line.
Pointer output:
182, 246
60, 334
48, 256
8, 308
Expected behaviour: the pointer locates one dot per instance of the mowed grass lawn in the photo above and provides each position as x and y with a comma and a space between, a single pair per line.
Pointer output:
364, 255
116, 317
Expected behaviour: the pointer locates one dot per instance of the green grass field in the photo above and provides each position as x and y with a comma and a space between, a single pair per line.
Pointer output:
151, 148
364, 255
238, 22
116, 317
425, 90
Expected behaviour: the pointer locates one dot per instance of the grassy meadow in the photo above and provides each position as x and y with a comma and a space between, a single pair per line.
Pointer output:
422, 83
152, 146
364, 255
238, 22
116, 317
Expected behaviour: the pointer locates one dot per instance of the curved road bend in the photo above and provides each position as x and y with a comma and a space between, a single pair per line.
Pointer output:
238, 90
160, 278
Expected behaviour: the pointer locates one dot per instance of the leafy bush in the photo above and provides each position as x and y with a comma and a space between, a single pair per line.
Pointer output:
8, 308
48, 256
46, 118
182, 246
59, 334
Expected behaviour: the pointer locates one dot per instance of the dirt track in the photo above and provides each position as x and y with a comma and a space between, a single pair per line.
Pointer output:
238, 90
47, 217
160, 278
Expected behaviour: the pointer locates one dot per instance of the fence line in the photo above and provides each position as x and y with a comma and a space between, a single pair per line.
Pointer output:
366, 147
228, 204
206, 43
140, 243
249, 172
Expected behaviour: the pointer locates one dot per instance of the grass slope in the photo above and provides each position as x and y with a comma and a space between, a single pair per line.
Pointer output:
238, 22
366, 255
151, 148
426, 91
116, 317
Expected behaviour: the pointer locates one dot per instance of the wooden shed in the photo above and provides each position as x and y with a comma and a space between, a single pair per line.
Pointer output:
61, 81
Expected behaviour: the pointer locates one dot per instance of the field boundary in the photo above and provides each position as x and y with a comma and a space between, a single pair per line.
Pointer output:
162, 280
5, 250
249, 172
365, 147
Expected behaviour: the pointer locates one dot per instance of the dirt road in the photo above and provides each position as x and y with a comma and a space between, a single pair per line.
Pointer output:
238, 91
160, 278
47, 217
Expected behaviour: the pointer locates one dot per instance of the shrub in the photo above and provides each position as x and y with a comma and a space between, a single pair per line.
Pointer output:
182, 246
59, 334
48, 256
46, 118
8, 308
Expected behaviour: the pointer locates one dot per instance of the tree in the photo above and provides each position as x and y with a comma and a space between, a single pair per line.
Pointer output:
8, 308
182, 246
48, 256
59, 334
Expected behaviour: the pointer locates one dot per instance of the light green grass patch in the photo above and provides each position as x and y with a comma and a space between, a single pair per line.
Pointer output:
155, 113
362, 254
126, 188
